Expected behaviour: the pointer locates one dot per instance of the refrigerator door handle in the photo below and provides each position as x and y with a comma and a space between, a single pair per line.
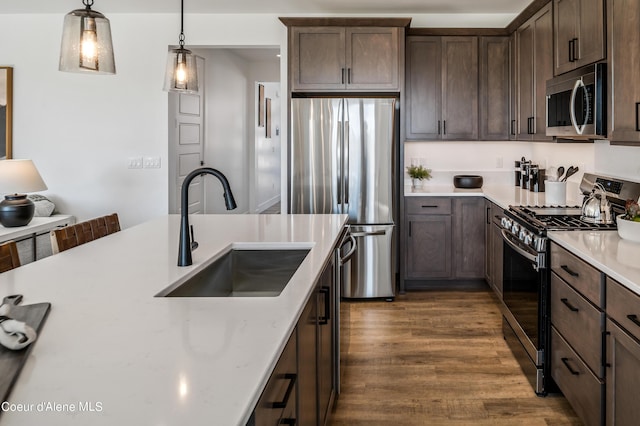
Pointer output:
346, 162
368, 234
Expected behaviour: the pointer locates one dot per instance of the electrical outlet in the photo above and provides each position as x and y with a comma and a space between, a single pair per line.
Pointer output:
151, 162
134, 162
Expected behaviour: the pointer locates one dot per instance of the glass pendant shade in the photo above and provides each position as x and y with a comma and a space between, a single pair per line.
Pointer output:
181, 73
86, 43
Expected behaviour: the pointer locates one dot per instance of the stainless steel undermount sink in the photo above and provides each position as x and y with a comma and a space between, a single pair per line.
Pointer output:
243, 273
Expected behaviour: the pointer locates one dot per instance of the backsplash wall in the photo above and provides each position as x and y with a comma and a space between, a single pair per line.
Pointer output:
495, 160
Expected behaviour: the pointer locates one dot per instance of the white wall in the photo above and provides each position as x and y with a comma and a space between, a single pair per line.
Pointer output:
267, 164
80, 129
617, 161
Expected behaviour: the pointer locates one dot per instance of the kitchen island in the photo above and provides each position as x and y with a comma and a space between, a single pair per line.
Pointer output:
111, 352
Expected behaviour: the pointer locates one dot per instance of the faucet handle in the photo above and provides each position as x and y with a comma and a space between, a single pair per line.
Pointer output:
194, 243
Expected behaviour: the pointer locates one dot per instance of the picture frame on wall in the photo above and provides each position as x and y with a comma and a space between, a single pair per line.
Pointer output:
268, 117
261, 114
6, 112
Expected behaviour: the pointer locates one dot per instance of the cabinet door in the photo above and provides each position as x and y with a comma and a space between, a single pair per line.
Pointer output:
525, 42
497, 258
428, 246
624, 63
488, 244
307, 361
372, 58
494, 93
459, 88
542, 70
623, 376
513, 87
566, 20
424, 90
318, 58
326, 345
468, 237
591, 37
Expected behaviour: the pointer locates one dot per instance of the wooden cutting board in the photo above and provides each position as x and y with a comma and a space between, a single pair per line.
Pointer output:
11, 362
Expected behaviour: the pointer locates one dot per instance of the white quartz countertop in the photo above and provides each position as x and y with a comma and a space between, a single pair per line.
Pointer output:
502, 195
145, 360
605, 250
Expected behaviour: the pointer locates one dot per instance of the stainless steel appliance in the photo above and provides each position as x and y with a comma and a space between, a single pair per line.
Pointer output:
526, 275
342, 161
576, 103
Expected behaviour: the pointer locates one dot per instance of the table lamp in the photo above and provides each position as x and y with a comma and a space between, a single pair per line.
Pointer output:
16, 178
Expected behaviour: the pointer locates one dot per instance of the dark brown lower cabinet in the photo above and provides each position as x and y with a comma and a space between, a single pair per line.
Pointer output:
494, 248
316, 352
277, 405
623, 377
444, 241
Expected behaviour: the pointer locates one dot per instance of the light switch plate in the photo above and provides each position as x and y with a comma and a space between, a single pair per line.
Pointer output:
151, 162
134, 162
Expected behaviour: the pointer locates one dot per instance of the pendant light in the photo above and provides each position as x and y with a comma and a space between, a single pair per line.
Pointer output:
181, 73
86, 42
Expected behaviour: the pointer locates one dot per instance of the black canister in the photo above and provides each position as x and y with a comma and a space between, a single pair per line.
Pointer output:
539, 176
524, 176
518, 173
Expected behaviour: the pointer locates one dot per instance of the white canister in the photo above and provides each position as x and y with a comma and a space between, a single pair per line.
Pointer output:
555, 193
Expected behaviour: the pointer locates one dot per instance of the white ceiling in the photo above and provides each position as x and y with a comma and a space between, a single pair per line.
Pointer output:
289, 7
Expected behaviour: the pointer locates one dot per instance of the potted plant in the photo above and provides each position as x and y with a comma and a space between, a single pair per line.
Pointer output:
629, 222
418, 173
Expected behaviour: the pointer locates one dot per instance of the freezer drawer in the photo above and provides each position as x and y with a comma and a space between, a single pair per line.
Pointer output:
369, 273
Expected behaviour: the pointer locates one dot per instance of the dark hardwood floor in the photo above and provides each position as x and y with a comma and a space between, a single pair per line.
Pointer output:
437, 358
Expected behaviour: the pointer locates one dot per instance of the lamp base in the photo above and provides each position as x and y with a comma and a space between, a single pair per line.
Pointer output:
16, 210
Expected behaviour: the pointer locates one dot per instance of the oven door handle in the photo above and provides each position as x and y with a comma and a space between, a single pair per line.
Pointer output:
530, 257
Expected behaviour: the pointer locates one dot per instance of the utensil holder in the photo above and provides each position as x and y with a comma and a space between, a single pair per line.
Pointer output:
556, 193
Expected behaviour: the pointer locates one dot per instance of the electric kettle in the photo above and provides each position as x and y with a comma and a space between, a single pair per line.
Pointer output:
596, 208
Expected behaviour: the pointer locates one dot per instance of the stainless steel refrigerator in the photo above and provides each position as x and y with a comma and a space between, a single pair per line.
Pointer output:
342, 161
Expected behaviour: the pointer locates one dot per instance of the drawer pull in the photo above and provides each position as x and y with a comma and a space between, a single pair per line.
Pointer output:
569, 305
285, 400
569, 271
287, 421
565, 361
428, 206
634, 319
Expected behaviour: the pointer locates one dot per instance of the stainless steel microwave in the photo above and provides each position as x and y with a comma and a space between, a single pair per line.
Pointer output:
576, 103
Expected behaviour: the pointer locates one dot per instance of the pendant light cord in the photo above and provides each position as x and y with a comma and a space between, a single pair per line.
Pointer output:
181, 23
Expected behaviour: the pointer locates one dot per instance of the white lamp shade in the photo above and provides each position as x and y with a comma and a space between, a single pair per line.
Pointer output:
86, 43
20, 176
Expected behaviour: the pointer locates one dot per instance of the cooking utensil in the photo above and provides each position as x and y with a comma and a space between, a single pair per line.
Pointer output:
560, 172
570, 172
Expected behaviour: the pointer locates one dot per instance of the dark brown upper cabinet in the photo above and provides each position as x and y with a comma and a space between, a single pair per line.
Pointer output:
579, 33
442, 88
624, 63
494, 93
332, 58
534, 41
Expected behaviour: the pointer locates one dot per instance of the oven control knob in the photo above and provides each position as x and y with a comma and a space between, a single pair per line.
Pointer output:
505, 223
539, 243
528, 238
515, 228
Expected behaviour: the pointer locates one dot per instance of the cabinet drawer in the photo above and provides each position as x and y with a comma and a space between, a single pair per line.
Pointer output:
428, 205
579, 323
580, 275
623, 306
581, 388
279, 395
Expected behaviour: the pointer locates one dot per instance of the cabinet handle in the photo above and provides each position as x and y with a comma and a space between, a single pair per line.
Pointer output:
634, 319
324, 320
573, 49
488, 215
569, 271
569, 305
348, 75
570, 50
444, 127
342, 75
439, 124
429, 206
409, 228
285, 400
513, 127
565, 361
637, 119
